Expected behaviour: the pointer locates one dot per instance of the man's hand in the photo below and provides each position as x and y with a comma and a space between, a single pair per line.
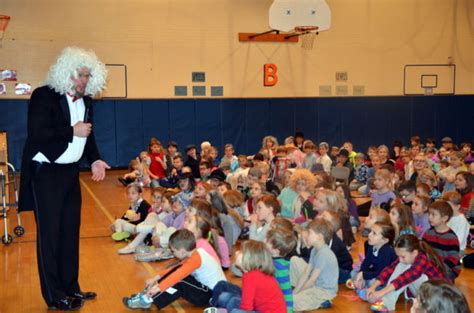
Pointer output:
98, 170
81, 129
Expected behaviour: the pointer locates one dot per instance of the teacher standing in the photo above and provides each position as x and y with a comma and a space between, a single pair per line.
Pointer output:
59, 134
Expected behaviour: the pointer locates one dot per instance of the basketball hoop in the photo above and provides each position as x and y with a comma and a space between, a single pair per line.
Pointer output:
307, 34
4, 20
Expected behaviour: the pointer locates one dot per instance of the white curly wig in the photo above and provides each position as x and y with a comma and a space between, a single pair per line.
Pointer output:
67, 64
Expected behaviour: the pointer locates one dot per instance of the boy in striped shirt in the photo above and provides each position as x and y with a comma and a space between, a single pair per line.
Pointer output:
280, 242
442, 238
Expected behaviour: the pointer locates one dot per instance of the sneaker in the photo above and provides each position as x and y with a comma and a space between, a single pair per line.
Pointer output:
119, 236
214, 310
362, 293
160, 254
139, 301
350, 284
142, 249
379, 306
126, 250
325, 305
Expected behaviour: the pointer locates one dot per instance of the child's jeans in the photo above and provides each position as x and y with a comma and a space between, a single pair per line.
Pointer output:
367, 282
226, 295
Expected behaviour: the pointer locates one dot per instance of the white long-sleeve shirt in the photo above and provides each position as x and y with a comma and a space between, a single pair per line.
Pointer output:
75, 148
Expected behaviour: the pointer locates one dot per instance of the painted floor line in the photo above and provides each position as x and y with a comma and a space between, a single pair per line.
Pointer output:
106, 212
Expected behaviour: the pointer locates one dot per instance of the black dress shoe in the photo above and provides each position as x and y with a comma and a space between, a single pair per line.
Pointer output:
66, 304
88, 295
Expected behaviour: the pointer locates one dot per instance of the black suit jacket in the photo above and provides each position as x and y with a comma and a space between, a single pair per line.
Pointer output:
50, 132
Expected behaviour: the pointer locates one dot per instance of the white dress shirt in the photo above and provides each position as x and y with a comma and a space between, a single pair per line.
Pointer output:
75, 148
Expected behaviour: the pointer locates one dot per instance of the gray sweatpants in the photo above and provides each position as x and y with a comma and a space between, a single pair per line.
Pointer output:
390, 299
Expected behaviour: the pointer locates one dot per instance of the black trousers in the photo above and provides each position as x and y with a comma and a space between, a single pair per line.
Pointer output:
57, 196
189, 289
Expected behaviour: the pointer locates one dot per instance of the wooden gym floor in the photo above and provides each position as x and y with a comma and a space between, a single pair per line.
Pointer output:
113, 276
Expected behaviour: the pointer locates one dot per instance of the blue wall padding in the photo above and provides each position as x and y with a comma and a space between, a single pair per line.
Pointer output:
13, 118
208, 122
105, 129
257, 122
123, 127
233, 124
182, 121
156, 120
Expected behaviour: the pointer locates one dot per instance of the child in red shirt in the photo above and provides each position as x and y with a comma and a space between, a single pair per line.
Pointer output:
158, 165
260, 290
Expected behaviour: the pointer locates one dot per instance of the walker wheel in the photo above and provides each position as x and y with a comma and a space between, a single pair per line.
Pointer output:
19, 231
7, 239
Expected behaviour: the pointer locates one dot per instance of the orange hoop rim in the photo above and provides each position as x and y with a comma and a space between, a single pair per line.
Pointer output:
304, 29
4, 20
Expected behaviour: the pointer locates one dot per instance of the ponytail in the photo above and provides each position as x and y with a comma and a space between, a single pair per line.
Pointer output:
411, 243
208, 233
433, 257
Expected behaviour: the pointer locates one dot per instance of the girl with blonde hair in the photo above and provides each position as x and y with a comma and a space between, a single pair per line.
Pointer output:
383, 188
269, 145
298, 195
260, 291
329, 200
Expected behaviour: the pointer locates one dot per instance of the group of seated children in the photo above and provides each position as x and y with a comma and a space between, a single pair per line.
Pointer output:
295, 226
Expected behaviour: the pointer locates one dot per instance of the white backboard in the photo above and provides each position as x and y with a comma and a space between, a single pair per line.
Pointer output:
285, 15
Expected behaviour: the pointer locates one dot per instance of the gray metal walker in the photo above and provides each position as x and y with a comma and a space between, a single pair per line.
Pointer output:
9, 194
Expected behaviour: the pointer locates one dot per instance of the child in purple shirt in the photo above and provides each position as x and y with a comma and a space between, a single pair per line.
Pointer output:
383, 193
420, 214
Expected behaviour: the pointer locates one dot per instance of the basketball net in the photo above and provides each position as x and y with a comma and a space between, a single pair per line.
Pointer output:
307, 34
307, 40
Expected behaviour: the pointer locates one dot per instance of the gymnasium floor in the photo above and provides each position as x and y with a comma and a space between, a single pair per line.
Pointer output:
113, 276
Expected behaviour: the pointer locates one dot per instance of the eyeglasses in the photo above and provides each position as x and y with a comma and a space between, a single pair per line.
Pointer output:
419, 161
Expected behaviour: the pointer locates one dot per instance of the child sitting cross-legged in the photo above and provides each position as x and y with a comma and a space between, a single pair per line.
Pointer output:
260, 291
152, 223
443, 239
315, 282
379, 253
344, 258
419, 209
192, 279
416, 263
281, 242
135, 214
458, 222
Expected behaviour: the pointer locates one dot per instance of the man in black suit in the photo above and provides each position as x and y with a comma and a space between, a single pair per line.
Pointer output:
59, 135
